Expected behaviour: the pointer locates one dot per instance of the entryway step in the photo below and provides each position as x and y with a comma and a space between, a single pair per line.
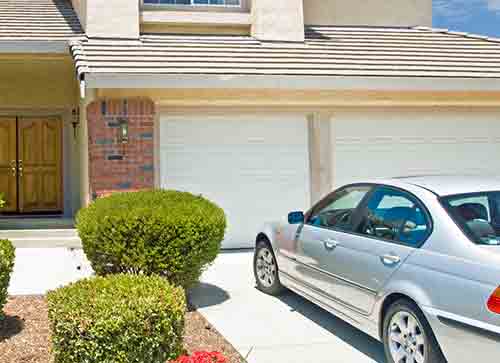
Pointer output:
42, 238
26, 223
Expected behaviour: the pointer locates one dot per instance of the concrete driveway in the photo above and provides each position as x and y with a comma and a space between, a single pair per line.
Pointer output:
266, 329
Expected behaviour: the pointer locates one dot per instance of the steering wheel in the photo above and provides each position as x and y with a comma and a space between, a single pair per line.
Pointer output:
334, 217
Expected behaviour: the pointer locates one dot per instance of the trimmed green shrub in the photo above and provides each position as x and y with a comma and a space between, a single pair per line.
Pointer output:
2, 201
170, 233
117, 319
7, 256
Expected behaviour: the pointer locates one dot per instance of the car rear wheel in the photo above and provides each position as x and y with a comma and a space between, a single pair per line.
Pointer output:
408, 337
266, 269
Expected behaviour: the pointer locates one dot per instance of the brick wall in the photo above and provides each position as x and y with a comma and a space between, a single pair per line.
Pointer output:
114, 165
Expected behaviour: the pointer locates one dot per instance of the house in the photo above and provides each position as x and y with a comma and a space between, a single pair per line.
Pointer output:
260, 105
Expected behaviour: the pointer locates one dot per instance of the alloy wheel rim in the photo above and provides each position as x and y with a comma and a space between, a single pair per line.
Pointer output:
266, 267
407, 342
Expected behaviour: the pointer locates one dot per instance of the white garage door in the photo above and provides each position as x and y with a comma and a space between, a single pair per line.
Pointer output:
255, 167
386, 143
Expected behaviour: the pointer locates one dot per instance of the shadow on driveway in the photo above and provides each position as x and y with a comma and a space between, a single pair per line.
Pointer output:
344, 331
205, 295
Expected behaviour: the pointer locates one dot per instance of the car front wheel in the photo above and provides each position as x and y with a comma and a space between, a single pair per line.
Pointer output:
408, 337
266, 269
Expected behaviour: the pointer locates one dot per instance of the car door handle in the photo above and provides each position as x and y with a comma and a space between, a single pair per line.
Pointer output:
330, 244
390, 259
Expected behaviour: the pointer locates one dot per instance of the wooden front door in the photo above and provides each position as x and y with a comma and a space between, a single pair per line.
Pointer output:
8, 163
35, 169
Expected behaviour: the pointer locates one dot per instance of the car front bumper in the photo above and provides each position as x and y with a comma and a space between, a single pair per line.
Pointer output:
464, 340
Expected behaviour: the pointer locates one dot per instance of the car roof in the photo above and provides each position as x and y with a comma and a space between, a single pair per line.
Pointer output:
444, 185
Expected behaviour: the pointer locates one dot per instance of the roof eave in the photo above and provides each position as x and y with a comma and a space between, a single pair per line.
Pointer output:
197, 81
34, 46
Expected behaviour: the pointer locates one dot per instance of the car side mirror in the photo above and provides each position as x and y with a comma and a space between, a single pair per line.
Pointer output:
296, 217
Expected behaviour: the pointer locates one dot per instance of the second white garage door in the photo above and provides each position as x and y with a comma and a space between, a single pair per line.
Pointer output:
396, 142
256, 167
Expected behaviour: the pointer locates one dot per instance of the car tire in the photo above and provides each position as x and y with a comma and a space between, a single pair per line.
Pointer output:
405, 341
265, 269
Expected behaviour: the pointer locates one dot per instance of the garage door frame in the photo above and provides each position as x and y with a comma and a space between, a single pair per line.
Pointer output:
225, 112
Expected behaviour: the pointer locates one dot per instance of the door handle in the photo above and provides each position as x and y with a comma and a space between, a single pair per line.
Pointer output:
390, 259
20, 168
330, 244
13, 167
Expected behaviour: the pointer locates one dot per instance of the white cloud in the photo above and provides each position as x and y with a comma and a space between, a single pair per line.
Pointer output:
494, 5
460, 10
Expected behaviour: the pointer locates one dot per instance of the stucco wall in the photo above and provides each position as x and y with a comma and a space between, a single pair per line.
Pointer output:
80, 7
368, 12
37, 82
195, 29
278, 20
112, 19
195, 22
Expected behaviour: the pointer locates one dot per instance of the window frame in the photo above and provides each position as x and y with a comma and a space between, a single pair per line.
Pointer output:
192, 5
444, 201
329, 199
364, 208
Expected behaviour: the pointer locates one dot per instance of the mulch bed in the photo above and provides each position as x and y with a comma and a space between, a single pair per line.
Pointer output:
25, 334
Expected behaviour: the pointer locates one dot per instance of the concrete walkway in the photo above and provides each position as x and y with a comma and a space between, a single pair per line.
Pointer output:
269, 330
38, 270
42, 238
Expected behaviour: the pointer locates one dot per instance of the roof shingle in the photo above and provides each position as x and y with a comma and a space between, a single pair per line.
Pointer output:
327, 51
38, 20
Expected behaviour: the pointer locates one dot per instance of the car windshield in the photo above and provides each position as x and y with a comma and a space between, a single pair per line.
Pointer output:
478, 214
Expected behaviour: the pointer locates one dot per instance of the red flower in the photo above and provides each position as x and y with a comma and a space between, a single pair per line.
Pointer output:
202, 357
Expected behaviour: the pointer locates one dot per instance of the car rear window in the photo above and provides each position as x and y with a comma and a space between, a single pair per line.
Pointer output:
477, 214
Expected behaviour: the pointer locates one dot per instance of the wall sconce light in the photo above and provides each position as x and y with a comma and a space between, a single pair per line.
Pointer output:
75, 113
123, 130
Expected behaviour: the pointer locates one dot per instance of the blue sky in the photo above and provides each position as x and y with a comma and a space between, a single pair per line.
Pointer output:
472, 16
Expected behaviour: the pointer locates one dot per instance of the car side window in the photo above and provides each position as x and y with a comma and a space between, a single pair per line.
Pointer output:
395, 216
336, 211
473, 208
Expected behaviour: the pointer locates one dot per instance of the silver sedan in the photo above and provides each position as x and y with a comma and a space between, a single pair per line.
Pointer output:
413, 262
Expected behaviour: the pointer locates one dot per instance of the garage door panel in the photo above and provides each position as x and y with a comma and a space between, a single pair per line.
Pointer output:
387, 143
255, 167
250, 132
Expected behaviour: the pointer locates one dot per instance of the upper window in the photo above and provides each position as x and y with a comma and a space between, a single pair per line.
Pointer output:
194, 2
394, 215
478, 215
337, 210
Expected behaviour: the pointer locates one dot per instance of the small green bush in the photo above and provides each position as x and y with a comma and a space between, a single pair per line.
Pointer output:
2, 201
117, 319
7, 256
170, 233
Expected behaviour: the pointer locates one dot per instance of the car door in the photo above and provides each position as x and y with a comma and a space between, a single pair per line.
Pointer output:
391, 225
324, 228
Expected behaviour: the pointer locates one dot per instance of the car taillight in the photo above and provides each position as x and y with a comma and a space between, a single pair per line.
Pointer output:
494, 301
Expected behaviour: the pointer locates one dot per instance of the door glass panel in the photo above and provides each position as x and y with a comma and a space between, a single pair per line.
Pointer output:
337, 210
395, 216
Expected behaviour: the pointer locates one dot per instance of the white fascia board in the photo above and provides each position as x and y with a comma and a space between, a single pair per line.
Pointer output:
34, 46
183, 81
